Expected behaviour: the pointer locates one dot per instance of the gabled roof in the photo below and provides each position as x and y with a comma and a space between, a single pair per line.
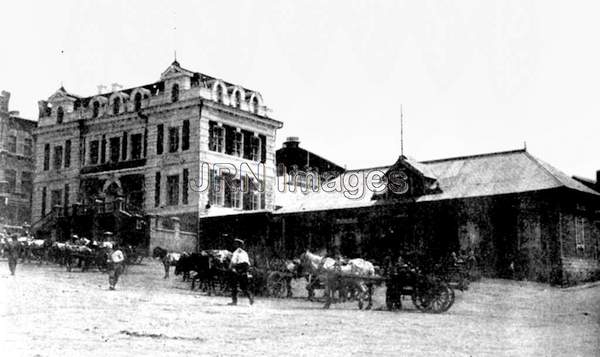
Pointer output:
62, 93
461, 177
175, 70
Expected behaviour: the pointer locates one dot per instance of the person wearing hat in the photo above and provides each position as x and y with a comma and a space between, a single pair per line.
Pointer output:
239, 266
116, 264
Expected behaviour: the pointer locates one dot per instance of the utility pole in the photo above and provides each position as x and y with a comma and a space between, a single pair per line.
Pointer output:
401, 131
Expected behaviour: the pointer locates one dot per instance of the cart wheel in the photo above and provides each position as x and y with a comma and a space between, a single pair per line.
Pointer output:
442, 298
420, 300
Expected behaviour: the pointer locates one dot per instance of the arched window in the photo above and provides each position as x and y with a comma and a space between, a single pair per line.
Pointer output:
219, 94
175, 93
60, 115
238, 99
116, 105
137, 100
95, 109
255, 105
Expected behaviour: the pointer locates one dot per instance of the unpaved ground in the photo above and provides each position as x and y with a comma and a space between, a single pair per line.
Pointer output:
46, 311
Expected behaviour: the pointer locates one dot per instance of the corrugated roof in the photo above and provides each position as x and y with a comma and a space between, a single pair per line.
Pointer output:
462, 177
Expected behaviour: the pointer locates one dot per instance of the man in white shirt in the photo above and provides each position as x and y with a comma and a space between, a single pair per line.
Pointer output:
239, 266
116, 261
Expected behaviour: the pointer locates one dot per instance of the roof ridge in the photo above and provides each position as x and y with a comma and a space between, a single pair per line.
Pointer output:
474, 156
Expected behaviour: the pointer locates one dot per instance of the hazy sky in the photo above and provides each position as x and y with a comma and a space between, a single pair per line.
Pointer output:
472, 76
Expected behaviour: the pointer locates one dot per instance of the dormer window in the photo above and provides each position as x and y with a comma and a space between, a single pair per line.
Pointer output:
95, 109
60, 115
238, 99
219, 94
116, 105
175, 93
137, 100
255, 105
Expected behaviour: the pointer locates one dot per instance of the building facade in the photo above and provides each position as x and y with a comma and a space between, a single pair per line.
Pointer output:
523, 218
150, 151
16, 165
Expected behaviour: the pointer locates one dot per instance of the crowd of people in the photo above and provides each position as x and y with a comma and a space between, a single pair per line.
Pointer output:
13, 248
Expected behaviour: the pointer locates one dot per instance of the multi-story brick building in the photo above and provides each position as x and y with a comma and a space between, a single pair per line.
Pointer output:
16, 165
151, 148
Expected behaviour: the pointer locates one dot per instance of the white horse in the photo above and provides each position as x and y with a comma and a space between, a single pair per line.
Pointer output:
338, 276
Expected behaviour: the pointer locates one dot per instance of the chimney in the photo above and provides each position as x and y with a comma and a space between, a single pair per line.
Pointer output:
4, 99
43, 108
116, 87
291, 142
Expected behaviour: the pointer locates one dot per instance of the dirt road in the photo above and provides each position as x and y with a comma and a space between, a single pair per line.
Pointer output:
46, 311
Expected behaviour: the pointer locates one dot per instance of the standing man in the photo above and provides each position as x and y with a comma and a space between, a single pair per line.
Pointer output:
239, 266
116, 261
14, 251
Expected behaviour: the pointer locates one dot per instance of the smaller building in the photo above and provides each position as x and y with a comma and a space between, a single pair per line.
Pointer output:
302, 169
16, 165
523, 218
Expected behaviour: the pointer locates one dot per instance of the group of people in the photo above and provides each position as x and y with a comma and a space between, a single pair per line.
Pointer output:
239, 266
115, 259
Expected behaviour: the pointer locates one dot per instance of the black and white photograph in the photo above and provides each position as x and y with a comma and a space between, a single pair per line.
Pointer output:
300, 178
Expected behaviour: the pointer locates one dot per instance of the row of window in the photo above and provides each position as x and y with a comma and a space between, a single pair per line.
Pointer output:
226, 190
173, 137
120, 148
118, 105
173, 189
11, 179
60, 157
11, 145
237, 142
237, 100
58, 197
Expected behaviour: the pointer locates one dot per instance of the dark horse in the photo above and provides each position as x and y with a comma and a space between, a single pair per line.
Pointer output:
167, 258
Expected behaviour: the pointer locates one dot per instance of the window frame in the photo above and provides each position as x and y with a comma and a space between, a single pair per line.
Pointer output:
580, 223
185, 182
60, 115
175, 93
47, 155
157, 186
116, 106
133, 139
26, 184
67, 154
160, 138
95, 109
255, 148
94, 152
185, 135
216, 140
27, 147
173, 139
137, 102
11, 179
58, 157
172, 198
114, 154
12, 144
238, 144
